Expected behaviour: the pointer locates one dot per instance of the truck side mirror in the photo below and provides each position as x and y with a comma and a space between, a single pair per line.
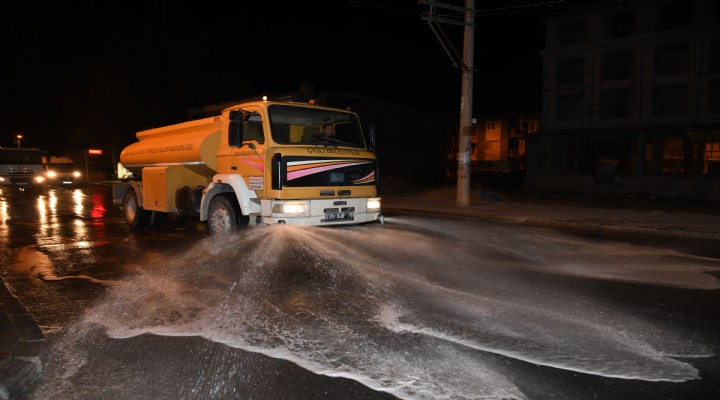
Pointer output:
235, 128
371, 137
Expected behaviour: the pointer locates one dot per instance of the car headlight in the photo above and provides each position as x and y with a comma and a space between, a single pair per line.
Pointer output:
373, 204
39, 179
51, 174
76, 174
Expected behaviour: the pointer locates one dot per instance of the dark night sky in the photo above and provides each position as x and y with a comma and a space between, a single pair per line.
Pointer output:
125, 66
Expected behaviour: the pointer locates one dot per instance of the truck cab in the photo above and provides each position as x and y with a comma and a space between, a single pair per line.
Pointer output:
60, 171
21, 167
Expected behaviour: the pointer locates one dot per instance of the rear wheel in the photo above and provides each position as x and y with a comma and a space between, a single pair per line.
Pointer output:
222, 217
135, 216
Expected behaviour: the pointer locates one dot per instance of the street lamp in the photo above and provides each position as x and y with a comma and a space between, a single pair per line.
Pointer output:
19, 137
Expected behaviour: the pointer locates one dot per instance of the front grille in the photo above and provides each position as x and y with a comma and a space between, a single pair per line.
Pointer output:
296, 171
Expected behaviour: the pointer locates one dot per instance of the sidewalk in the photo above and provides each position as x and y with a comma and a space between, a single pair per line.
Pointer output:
24, 351
566, 216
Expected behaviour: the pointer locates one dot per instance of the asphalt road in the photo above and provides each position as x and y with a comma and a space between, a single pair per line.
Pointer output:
419, 307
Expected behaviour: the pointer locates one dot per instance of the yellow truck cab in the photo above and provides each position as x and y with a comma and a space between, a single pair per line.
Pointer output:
256, 162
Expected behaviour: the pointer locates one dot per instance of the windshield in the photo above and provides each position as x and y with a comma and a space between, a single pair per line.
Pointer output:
17, 157
61, 166
315, 126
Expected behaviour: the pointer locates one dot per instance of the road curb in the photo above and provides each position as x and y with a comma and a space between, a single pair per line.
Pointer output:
24, 351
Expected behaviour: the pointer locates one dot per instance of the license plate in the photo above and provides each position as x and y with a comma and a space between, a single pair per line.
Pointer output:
339, 216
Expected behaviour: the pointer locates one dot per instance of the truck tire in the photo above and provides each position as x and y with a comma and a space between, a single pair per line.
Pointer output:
222, 217
135, 216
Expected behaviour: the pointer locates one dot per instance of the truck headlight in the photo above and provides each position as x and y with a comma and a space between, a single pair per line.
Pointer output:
289, 208
39, 179
373, 204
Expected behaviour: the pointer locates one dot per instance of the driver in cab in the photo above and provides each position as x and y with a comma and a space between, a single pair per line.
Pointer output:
328, 131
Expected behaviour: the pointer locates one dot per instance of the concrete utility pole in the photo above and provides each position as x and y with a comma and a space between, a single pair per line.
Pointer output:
466, 108
466, 95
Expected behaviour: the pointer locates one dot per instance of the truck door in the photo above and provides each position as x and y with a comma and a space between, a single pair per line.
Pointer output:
246, 148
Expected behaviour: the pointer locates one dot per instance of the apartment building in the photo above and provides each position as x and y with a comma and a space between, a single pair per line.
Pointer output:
496, 145
630, 100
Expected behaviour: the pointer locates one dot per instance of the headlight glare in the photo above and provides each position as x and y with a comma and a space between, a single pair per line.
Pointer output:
288, 208
373, 204
293, 209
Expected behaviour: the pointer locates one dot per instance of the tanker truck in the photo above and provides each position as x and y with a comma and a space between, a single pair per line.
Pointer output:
259, 162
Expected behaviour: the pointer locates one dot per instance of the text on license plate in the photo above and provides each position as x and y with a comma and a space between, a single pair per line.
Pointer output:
341, 216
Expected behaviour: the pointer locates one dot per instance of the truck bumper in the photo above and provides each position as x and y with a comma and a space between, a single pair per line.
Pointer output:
34, 181
323, 212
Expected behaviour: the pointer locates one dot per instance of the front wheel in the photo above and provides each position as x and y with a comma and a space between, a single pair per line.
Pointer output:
222, 217
135, 216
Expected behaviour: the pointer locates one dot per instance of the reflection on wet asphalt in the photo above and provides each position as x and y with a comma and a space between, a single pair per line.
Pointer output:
60, 233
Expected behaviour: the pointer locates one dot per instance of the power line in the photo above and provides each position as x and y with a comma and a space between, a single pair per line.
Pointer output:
534, 8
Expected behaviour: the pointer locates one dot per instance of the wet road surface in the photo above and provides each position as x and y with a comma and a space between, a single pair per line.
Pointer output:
415, 308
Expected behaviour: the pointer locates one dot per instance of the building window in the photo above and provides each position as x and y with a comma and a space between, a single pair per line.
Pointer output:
715, 53
617, 65
528, 126
620, 25
714, 98
569, 107
670, 100
572, 33
674, 15
711, 164
615, 104
492, 125
571, 71
672, 59
673, 156
516, 147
